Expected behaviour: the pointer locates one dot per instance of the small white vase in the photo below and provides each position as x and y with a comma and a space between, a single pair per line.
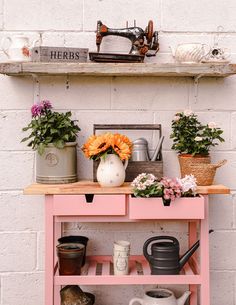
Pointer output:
111, 171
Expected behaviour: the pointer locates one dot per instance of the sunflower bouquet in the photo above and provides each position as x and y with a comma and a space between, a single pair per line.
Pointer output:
98, 146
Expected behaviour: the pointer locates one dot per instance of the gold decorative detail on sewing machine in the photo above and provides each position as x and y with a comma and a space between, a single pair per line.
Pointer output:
142, 42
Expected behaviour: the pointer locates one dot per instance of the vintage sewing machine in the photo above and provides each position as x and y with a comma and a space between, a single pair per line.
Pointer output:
141, 43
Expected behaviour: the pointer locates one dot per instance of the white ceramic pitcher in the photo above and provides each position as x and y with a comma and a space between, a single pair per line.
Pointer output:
190, 52
111, 171
18, 48
160, 296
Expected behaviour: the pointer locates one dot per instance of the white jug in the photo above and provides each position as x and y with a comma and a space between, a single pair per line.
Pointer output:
18, 48
111, 171
190, 52
160, 296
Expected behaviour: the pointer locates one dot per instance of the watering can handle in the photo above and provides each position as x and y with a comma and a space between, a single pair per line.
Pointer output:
138, 300
147, 242
5, 50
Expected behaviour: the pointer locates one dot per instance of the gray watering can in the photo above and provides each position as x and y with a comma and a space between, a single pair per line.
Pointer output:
140, 150
164, 257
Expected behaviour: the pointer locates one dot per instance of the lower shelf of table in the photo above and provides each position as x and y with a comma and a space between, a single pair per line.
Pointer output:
99, 271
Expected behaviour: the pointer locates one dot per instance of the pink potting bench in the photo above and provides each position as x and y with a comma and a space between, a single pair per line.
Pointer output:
71, 203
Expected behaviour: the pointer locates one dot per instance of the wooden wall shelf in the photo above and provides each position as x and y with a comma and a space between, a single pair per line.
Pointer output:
118, 69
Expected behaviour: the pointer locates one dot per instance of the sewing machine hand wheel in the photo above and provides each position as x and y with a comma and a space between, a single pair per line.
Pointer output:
149, 31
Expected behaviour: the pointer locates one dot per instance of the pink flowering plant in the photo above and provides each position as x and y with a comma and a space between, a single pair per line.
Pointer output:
190, 136
147, 185
48, 126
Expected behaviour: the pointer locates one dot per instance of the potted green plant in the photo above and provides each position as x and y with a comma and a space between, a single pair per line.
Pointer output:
193, 141
53, 136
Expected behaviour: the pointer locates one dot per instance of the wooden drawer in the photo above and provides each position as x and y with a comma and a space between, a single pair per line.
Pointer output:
89, 205
153, 208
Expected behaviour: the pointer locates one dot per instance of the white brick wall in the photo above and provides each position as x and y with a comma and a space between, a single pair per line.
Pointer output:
111, 100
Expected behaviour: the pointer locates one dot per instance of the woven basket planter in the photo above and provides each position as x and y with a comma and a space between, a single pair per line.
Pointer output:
200, 167
187, 165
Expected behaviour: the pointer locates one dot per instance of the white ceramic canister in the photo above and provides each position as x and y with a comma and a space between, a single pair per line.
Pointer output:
121, 265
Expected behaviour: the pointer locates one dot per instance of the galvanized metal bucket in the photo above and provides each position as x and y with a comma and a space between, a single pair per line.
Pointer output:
57, 165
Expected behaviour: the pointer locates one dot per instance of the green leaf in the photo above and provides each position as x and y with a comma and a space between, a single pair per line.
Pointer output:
25, 139
41, 148
59, 144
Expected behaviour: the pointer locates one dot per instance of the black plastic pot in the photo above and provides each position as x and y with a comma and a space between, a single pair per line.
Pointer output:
75, 239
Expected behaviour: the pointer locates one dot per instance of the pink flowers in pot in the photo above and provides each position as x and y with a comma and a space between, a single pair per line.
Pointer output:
147, 185
171, 188
38, 109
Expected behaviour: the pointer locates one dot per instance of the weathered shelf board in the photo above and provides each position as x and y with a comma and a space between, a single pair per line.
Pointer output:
89, 187
118, 69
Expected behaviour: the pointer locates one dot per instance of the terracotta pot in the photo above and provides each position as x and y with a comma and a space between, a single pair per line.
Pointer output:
70, 258
76, 239
188, 166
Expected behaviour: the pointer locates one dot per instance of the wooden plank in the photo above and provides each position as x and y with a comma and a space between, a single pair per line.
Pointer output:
89, 187
127, 279
119, 69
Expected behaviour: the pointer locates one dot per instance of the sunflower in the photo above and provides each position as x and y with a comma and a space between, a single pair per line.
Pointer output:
124, 138
99, 144
86, 146
121, 148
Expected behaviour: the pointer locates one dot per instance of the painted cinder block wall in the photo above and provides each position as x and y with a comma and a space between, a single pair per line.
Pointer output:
111, 100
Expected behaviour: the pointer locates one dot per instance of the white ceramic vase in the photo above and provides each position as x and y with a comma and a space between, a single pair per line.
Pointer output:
17, 48
111, 171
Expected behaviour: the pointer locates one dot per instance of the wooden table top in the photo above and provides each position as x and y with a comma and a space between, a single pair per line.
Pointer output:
89, 187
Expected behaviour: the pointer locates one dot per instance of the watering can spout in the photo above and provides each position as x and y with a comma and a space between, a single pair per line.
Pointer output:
183, 260
183, 298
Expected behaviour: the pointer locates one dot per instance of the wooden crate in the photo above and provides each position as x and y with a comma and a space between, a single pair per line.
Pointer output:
59, 54
134, 168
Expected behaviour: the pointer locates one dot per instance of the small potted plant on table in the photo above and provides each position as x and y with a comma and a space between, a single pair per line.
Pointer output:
53, 136
193, 140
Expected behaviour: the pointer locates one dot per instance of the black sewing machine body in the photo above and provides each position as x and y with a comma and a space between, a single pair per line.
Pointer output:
141, 42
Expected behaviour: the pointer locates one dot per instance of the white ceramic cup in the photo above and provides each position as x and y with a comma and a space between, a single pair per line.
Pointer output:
122, 245
121, 257
121, 253
121, 265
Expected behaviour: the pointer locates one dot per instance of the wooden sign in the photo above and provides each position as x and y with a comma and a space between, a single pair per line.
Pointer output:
59, 54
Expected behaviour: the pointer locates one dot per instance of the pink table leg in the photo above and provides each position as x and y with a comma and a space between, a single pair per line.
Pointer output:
192, 228
49, 252
57, 234
204, 255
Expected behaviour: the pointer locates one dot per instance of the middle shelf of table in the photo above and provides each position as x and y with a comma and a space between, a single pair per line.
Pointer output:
98, 270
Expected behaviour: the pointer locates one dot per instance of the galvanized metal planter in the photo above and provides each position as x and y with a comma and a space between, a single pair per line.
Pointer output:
57, 165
